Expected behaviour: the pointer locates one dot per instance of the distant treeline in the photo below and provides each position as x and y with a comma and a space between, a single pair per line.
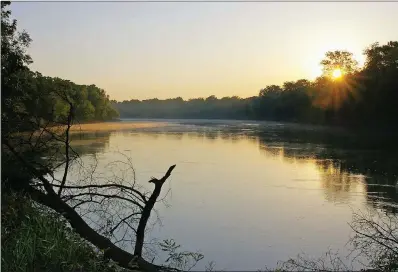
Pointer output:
361, 97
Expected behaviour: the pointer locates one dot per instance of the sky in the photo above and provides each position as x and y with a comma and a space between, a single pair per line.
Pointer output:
195, 49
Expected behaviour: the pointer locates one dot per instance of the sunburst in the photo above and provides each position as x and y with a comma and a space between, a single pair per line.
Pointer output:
337, 73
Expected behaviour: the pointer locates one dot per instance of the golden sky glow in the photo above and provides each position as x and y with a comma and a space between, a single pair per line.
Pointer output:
145, 50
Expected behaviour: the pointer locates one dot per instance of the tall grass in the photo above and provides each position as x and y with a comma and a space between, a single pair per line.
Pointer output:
35, 239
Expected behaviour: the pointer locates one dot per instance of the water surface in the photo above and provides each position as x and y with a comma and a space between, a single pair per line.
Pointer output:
248, 194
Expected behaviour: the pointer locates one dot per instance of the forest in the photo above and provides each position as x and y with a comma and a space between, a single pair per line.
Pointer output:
30, 98
361, 97
44, 227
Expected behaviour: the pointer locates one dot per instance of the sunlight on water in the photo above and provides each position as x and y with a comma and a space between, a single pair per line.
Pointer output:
243, 200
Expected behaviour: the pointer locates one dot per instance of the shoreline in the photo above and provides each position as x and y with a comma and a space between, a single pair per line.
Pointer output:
113, 126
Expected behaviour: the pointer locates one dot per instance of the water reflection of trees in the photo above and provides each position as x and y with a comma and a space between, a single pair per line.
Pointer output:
343, 163
337, 183
344, 167
90, 143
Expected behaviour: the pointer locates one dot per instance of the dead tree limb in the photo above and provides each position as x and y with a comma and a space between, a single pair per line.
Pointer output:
67, 147
119, 206
48, 197
146, 212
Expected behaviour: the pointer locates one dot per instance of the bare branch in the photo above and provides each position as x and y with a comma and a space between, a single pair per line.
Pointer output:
108, 186
146, 212
123, 220
67, 144
70, 197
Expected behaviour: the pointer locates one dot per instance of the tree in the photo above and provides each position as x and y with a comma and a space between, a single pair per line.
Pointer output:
211, 98
379, 57
379, 82
29, 98
270, 90
342, 60
37, 116
14, 68
89, 195
13, 45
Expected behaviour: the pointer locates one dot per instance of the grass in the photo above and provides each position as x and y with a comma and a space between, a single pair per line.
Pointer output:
35, 239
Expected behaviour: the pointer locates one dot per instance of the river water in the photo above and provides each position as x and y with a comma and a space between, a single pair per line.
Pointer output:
248, 194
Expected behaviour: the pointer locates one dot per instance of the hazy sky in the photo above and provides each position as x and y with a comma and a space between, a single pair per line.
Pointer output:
145, 50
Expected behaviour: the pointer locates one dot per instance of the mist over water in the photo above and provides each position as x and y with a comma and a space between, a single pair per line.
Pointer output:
248, 194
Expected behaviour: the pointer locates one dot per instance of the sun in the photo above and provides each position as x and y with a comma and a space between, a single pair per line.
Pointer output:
336, 73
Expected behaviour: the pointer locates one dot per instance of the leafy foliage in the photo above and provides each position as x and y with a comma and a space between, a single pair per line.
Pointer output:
361, 97
33, 102
180, 260
342, 60
36, 239
29, 98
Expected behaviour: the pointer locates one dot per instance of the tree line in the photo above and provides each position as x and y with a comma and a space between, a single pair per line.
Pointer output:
29, 97
361, 97
37, 113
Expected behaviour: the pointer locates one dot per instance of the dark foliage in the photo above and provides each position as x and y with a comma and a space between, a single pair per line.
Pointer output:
29, 98
34, 103
360, 98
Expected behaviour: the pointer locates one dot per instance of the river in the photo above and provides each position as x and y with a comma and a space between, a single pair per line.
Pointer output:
248, 194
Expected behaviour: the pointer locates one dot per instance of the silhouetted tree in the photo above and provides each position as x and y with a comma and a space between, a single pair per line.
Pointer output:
359, 99
37, 116
342, 60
